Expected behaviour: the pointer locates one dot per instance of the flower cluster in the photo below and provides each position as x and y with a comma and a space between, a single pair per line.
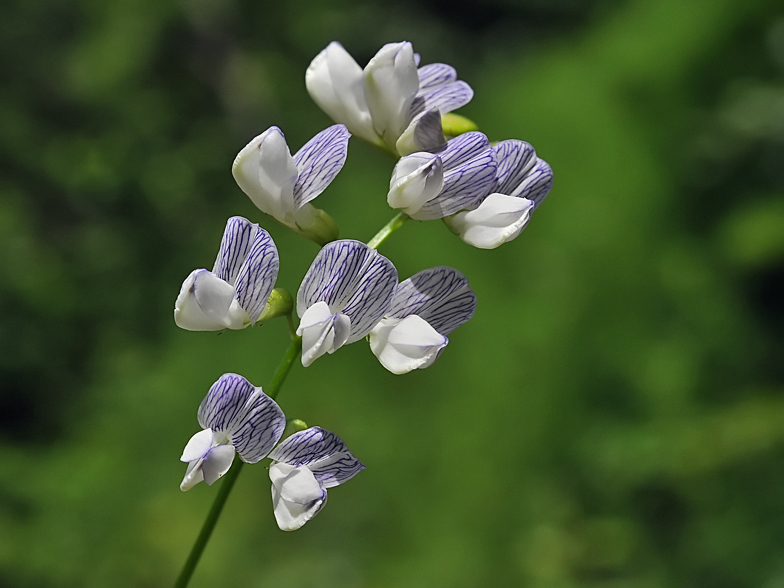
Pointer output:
484, 192
238, 418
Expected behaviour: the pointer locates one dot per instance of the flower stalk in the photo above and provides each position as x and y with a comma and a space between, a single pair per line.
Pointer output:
387, 230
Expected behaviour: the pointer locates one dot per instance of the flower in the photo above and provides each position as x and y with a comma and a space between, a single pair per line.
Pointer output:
283, 186
522, 183
236, 417
390, 103
233, 294
346, 291
427, 307
304, 466
431, 185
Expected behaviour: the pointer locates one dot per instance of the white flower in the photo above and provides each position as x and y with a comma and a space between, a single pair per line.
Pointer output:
429, 186
283, 186
304, 466
390, 102
233, 294
346, 291
237, 418
522, 183
427, 307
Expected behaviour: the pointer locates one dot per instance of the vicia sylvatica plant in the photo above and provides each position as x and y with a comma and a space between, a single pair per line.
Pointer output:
484, 192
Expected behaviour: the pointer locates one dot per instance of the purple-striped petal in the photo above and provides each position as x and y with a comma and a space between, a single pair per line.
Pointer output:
464, 148
237, 239
537, 184
262, 428
352, 279
464, 186
251, 420
440, 295
445, 98
223, 407
323, 452
257, 275
515, 160
433, 75
319, 161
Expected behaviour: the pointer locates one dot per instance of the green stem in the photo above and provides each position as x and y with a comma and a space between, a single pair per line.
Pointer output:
387, 230
295, 347
292, 353
208, 526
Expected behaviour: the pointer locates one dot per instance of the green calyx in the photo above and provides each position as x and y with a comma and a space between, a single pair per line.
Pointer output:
280, 303
454, 125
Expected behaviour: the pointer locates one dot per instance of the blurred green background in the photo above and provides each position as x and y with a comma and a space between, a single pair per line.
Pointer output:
612, 416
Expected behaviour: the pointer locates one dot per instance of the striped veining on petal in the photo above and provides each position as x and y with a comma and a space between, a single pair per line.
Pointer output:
323, 452
342, 274
464, 187
372, 296
336, 469
440, 295
463, 148
515, 160
223, 407
433, 75
263, 425
257, 276
446, 98
319, 161
537, 183
235, 244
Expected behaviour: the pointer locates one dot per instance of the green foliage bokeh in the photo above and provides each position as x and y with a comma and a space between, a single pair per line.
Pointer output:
613, 415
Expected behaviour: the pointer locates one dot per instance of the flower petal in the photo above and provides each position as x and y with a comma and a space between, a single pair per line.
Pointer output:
515, 159
417, 178
193, 475
235, 244
434, 75
352, 279
440, 295
407, 344
317, 329
198, 446
537, 183
391, 82
262, 426
266, 172
463, 149
470, 171
498, 219
424, 133
323, 452
217, 463
295, 484
319, 161
445, 98
298, 483
206, 303
334, 81
257, 275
